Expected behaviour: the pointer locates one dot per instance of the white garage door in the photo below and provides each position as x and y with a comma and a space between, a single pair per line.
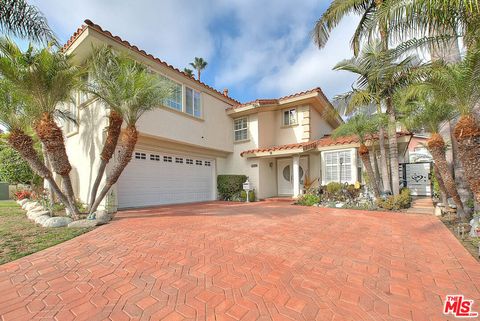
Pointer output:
153, 178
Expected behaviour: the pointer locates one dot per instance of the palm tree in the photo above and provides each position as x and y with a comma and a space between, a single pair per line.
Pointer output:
140, 91
420, 23
363, 126
459, 86
380, 75
366, 9
108, 84
14, 118
431, 113
188, 71
48, 79
198, 64
20, 19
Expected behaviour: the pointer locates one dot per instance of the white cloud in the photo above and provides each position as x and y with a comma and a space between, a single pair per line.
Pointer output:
256, 48
176, 31
313, 67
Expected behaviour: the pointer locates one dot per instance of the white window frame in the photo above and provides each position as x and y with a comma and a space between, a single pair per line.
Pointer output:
351, 166
196, 104
174, 101
292, 120
235, 130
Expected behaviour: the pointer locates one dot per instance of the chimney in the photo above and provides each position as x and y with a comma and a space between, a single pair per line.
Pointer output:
225, 92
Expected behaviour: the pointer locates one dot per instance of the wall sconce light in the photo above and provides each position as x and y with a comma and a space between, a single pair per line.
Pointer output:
270, 164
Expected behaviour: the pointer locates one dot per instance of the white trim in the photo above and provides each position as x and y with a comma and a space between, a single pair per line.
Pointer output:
288, 110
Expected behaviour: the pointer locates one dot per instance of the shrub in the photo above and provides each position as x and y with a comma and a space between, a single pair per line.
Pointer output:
229, 185
308, 200
14, 169
395, 203
251, 196
20, 195
334, 188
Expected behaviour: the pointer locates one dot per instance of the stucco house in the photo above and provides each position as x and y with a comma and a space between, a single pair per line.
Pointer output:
199, 133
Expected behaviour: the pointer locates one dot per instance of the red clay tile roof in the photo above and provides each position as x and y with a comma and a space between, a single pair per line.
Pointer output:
90, 24
322, 142
278, 100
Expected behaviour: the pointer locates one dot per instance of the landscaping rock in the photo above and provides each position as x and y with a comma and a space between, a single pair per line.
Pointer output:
82, 223
57, 222
31, 205
32, 215
37, 208
22, 202
41, 219
103, 217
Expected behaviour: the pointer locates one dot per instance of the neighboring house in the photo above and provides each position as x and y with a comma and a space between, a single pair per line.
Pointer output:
280, 144
417, 149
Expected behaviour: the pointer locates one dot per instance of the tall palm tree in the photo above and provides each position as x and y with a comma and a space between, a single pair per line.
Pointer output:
106, 70
48, 79
14, 118
198, 64
459, 86
188, 71
431, 113
140, 91
380, 75
20, 19
363, 126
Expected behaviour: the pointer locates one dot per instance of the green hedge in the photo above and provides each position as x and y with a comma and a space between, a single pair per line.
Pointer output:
395, 203
230, 185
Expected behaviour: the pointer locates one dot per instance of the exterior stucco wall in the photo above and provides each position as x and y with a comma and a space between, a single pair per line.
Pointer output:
318, 126
208, 132
84, 146
289, 134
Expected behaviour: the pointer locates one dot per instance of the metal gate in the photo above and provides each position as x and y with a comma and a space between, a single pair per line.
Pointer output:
417, 177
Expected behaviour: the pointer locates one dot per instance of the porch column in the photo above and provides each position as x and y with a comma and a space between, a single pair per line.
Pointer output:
296, 175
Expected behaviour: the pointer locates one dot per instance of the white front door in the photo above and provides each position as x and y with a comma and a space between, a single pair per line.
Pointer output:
285, 174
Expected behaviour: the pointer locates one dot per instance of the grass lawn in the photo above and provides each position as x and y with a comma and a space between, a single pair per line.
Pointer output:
20, 236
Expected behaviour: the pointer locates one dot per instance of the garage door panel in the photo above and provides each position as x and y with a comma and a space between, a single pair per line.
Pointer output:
154, 181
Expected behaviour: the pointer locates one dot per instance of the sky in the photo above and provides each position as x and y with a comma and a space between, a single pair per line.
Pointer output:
255, 48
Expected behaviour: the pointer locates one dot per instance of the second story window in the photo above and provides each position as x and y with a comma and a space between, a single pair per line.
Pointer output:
290, 117
192, 102
175, 99
240, 129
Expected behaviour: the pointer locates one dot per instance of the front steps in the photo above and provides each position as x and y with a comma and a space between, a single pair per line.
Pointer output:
422, 205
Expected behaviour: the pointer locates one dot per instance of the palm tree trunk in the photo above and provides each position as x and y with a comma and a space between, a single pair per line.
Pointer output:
373, 160
441, 185
51, 195
393, 147
52, 137
128, 140
198, 74
436, 146
383, 160
364, 155
23, 144
115, 121
467, 133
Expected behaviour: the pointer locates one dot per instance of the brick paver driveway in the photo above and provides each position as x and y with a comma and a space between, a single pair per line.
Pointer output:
264, 261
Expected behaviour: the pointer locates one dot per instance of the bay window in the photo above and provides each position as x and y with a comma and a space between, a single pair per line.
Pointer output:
338, 166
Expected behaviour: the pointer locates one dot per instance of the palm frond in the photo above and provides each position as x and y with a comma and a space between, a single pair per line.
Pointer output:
20, 19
